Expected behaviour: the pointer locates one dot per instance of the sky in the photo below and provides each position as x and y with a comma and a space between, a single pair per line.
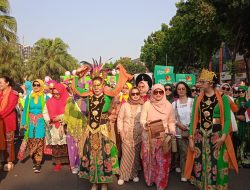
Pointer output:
92, 28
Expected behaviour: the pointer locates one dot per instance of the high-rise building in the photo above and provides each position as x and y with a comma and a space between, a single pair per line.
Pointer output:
25, 51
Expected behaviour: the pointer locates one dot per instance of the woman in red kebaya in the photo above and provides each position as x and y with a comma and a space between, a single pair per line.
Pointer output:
8, 102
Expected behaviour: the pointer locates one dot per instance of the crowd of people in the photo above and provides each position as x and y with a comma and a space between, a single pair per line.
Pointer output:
102, 132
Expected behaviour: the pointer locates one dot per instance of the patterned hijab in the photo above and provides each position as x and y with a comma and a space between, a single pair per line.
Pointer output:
36, 95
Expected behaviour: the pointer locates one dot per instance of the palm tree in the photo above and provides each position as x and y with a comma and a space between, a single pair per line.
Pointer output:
8, 26
50, 57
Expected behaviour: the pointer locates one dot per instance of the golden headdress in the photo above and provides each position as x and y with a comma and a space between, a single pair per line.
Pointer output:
207, 75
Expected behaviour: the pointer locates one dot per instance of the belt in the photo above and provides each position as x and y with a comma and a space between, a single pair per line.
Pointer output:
216, 121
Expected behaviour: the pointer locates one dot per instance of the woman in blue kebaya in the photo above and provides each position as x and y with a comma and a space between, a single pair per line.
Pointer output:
33, 121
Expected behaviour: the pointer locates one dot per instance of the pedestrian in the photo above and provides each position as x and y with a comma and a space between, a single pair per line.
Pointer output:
210, 148
183, 112
33, 122
156, 163
98, 152
8, 102
129, 127
53, 114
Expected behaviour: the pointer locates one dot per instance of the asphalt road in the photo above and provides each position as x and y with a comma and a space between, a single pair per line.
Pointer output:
23, 178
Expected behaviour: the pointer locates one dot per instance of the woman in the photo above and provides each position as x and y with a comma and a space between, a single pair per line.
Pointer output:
195, 91
183, 111
114, 110
155, 163
97, 148
53, 115
246, 147
169, 90
129, 127
75, 121
8, 102
33, 121
240, 136
144, 88
226, 90
210, 147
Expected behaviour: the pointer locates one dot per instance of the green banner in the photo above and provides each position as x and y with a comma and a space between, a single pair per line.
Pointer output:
167, 78
161, 71
187, 78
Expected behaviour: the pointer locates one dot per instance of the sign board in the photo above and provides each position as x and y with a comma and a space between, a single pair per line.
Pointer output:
167, 79
187, 78
225, 76
160, 71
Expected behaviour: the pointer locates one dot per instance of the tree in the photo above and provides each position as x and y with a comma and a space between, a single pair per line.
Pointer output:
128, 64
8, 26
11, 63
50, 57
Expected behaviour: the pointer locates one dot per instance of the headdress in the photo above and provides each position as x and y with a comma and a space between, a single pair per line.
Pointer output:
207, 75
97, 70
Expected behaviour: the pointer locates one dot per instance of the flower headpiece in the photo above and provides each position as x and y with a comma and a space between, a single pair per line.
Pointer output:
207, 75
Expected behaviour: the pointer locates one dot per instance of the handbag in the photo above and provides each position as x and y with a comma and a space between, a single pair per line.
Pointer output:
166, 143
22, 150
156, 129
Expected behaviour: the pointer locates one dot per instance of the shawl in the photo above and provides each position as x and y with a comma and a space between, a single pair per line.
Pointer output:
133, 102
160, 106
36, 95
28, 87
4, 95
228, 141
57, 106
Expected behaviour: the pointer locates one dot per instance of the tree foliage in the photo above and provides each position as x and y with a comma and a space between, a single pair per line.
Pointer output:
131, 66
8, 26
197, 30
50, 57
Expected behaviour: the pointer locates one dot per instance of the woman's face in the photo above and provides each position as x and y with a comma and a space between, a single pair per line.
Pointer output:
97, 87
36, 86
168, 90
203, 84
125, 90
181, 90
135, 95
158, 94
3, 84
141, 87
194, 91
242, 93
225, 90
55, 94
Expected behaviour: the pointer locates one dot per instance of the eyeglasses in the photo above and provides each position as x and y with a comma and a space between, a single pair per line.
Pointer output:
195, 90
168, 89
241, 91
36, 85
235, 92
158, 92
135, 94
226, 89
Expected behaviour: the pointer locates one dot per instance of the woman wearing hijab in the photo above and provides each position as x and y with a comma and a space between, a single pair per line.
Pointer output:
129, 127
169, 90
240, 136
144, 88
156, 164
33, 121
53, 115
8, 102
210, 150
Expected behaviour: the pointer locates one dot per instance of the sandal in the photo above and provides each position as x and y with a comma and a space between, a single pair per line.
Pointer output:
8, 167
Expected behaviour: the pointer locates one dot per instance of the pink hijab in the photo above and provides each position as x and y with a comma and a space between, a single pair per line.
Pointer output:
159, 106
57, 106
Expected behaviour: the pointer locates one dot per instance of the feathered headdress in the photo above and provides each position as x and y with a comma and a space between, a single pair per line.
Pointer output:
97, 69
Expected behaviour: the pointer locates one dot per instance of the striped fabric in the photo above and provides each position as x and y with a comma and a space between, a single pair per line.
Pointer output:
130, 162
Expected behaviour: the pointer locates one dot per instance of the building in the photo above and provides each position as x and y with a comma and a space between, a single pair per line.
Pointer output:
25, 51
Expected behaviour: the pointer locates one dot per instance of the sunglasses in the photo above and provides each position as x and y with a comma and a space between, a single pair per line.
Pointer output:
241, 91
36, 85
226, 89
168, 89
135, 94
235, 92
181, 89
158, 92
195, 90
